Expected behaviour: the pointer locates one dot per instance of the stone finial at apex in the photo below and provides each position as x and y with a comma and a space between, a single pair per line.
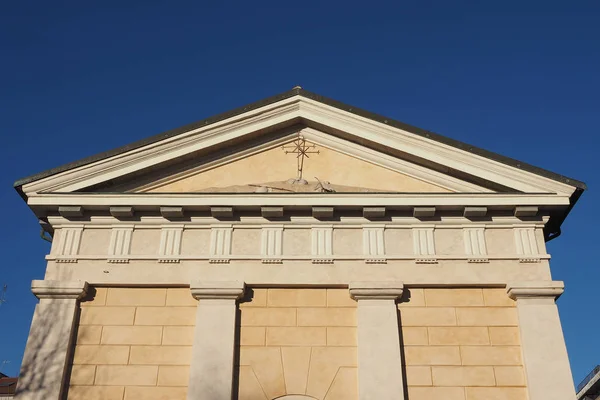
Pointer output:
297, 87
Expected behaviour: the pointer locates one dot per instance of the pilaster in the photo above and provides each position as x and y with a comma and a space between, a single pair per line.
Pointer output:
211, 371
379, 356
545, 356
50, 340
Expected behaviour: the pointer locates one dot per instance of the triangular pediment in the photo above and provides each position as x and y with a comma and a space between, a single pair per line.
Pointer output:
275, 169
358, 152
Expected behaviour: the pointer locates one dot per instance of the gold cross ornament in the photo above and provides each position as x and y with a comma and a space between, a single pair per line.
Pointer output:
301, 149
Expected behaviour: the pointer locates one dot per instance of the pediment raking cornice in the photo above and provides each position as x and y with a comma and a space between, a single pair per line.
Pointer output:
286, 112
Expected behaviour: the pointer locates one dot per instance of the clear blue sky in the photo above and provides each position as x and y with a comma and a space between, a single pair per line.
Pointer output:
520, 78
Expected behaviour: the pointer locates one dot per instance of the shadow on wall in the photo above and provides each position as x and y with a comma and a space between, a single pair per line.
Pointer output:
45, 361
405, 298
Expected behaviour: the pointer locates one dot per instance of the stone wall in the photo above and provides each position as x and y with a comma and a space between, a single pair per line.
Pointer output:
461, 344
298, 341
458, 344
133, 344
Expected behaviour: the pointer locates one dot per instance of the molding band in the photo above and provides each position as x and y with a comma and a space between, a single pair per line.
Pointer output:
47, 289
231, 290
535, 289
376, 290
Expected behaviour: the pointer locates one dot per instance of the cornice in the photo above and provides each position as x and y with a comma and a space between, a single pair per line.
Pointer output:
48, 203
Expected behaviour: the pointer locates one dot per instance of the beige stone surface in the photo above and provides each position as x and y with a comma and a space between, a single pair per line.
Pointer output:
325, 363
297, 329
496, 393
412, 297
277, 351
136, 297
449, 241
339, 298
297, 297
487, 316
132, 335
95, 297
398, 241
509, 376
267, 366
500, 241
296, 362
348, 242
458, 335
546, 362
195, 242
497, 298
155, 393
296, 336
107, 316
145, 241
254, 297
431, 393
82, 375
298, 273
96, 392
178, 335
344, 385
173, 375
89, 334
463, 376
453, 297
160, 355
246, 242
296, 242
268, 317
126, 375
421, 316
253, 336
249, 388
94, 242
166, 316
414, 336
432, 355
504, 335
330, 165
181, 297
418, 376
341, 336
99, 355
213, 351
493, 355
326, 317
379, 352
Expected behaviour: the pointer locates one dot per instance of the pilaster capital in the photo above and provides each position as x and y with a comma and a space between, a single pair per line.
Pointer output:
229, 290
47, 289
376, 290
535, 289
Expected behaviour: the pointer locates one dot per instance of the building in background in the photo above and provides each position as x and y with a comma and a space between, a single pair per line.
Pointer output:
298, 248
589, 388
8, 387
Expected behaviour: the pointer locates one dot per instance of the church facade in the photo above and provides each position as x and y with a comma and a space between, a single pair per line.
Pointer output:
298, 248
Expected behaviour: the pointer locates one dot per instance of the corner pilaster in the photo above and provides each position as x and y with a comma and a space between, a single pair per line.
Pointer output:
379, 356
50, 340
211, 371
545, 356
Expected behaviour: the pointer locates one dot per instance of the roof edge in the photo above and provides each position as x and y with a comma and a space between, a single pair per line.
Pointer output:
298, 91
